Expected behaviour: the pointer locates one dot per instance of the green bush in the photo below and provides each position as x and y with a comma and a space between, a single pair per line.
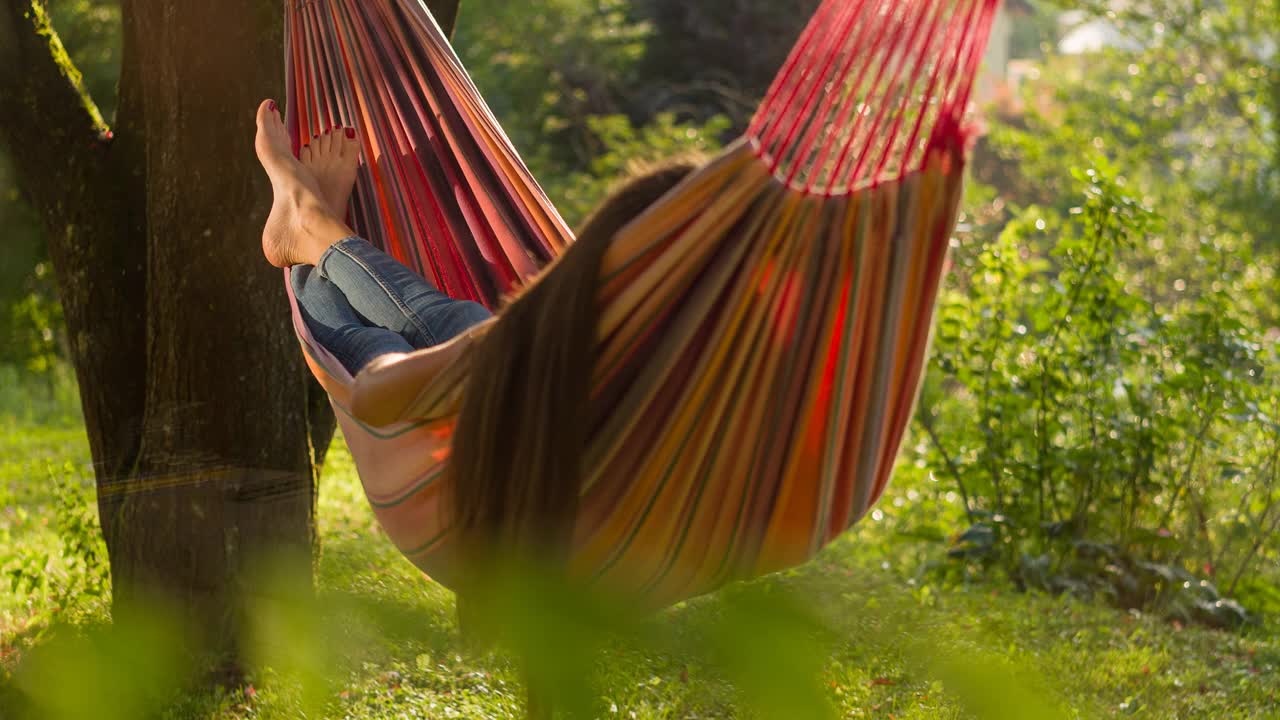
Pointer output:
71, 570
1103, 401
1106, 437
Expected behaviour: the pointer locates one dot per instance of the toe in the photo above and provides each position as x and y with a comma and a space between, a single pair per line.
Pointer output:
267, 112
349, 144
306, 155
272, 140
270, 119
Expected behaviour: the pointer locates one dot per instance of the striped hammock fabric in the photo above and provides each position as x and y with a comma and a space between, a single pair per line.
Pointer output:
763, 327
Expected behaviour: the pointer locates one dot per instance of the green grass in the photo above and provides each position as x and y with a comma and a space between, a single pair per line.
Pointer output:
901, 647
34, 461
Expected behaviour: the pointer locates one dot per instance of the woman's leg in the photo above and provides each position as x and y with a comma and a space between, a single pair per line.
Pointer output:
305, 228
391, 295
337, 326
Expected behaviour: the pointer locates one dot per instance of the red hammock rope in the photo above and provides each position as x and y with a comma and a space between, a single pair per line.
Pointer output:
862, 72
434, 191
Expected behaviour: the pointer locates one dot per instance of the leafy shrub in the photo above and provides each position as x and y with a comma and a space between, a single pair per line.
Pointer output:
84, 553
1107, 436
62, 575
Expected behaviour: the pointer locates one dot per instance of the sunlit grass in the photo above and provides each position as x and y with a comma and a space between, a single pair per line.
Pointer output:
32, 461
900, 647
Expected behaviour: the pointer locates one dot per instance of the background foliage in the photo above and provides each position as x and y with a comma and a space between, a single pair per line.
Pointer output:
1103, 394
1101, 417
1111, 322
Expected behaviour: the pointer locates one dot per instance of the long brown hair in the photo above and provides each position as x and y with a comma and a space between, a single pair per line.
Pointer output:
516, 465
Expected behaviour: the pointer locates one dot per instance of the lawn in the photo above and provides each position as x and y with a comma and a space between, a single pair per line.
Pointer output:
903, 646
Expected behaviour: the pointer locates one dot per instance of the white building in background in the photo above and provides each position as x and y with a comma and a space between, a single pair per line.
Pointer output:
1082, 34
1079, 34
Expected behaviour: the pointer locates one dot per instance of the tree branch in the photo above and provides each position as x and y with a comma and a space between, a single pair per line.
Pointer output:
48, 121
927, 423
86, 188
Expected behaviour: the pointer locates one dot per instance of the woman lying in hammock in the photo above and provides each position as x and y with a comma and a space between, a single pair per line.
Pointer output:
391, 329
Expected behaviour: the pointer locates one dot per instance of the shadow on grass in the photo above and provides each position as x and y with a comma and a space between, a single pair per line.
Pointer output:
764, 646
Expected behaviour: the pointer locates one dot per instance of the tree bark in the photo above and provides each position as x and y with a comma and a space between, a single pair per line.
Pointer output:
223, 475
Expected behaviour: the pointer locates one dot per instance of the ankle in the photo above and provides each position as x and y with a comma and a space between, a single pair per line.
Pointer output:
321, 231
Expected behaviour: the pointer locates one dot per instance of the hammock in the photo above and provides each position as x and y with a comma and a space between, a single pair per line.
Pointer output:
763, 327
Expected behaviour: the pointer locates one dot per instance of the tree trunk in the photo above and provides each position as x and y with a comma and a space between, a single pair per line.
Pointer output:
194, 398
223, 475
204, 427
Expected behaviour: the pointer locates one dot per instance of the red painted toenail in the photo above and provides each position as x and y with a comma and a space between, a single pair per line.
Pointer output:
351, 133
271, 105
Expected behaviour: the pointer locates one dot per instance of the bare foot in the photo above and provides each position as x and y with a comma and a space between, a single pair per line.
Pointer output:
301, 225
333, 158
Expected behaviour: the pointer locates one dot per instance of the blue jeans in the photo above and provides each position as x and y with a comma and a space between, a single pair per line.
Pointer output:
360, 304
